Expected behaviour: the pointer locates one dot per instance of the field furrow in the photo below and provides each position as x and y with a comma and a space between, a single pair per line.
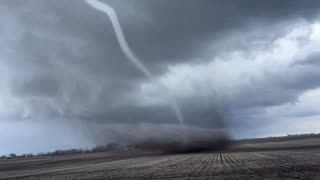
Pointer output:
285, 164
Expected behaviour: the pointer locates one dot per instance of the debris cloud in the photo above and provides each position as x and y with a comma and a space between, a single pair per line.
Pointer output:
168, 138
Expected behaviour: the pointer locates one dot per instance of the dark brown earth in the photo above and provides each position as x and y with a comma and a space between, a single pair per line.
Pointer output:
281, 159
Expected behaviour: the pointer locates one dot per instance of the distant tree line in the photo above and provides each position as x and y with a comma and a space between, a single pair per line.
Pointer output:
100, 148
282, 138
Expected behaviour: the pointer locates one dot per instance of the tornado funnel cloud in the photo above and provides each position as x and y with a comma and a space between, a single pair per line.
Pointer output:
110, 12
178, 112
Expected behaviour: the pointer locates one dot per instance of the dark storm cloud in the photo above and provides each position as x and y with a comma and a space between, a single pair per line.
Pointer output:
313, 59
67, 52
180, 27
49, 87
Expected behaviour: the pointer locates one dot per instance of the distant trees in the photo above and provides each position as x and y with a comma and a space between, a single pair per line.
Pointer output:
70, 151
282, 138
100, 148
12, 155
104, 148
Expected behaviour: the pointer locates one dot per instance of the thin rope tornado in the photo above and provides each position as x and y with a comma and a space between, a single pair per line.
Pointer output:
125, 47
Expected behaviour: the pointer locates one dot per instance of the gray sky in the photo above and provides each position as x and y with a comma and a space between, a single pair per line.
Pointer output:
250, 66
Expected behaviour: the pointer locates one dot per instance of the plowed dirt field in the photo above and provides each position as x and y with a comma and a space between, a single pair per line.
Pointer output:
279, 160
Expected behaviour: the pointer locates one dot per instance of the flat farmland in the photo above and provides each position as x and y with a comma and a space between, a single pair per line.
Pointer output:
286, 159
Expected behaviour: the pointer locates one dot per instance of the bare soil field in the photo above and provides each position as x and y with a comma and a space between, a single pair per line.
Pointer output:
285, 159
